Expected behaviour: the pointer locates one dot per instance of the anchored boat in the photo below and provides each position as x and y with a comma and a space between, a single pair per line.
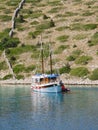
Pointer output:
47, 82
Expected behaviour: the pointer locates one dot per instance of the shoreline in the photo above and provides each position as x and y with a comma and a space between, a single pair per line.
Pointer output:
67, 82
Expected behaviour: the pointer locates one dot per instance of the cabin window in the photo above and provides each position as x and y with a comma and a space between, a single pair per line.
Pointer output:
52, 79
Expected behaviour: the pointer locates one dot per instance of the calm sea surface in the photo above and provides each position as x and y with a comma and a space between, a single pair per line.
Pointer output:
22, 109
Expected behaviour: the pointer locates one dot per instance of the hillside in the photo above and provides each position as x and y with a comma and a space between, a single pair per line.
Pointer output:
71, 26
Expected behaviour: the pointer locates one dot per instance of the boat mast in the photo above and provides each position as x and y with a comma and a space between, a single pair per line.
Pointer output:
42, 59
51, 71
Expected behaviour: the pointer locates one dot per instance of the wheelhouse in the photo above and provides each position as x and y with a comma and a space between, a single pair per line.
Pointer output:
44, 78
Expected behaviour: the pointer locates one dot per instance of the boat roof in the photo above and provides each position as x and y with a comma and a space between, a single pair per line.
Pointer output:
45, 76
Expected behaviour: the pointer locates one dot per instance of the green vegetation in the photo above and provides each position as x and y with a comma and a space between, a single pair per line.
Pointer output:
45, 25
5, 18
7, 42
34, 22
30, 68
18, 76
4, 33
80, 36
87, 13
9, 76
94, 75
33, 15
62, 28
94, 40
12, 3
54, 3
97, 52
68, 14
74, 55
83, 60
84, 27
19, 68
79, 71
63, 38
61, 48
21, 49
20, 19
34, 34
3, 65
54, 10
65, 69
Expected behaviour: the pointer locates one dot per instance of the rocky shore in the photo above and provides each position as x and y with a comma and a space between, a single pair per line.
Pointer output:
27, 81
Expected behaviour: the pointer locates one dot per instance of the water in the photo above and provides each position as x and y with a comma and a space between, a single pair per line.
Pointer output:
21, 109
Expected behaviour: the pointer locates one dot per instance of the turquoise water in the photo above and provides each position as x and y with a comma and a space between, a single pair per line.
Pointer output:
21, 109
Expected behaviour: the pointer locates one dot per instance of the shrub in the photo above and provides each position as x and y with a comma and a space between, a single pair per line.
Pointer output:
13, 58
71, 58
8, 42
19, 77
5, 18
35, 33
3, 65
74, 55
94, 75
63, 38
83, 60
45, 16
84, 27
22, 49
19, 68
30, 68
97, 52
61, 48
79, 71
20, 19
54, 10
94, 40
9, 76
45, 25
80, 36
4, 33
65, 69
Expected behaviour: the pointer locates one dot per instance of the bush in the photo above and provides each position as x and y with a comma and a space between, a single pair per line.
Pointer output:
19, 68
74, 55
3, 65
94, 40
79, 71
80, 36
22, 49
19, 77
8, 42
71, 58
83, 60
65, 69
30, 68
94, 75
45, 16
8, 77
45, 25
84, 27
61, 48
5, 18
63, 38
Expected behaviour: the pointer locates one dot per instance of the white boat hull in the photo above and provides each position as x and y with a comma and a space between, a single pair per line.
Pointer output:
52, 89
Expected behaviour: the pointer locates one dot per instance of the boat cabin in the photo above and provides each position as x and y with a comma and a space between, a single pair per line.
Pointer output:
44, 78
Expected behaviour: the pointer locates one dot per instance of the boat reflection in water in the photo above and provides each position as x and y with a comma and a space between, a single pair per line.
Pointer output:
46, 101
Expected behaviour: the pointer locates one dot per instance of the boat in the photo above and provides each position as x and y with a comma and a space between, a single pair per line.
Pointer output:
50, 83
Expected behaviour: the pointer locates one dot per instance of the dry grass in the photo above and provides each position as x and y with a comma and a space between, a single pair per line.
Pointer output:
64, 15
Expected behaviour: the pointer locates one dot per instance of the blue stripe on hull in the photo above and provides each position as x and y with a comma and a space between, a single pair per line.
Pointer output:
54, 89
